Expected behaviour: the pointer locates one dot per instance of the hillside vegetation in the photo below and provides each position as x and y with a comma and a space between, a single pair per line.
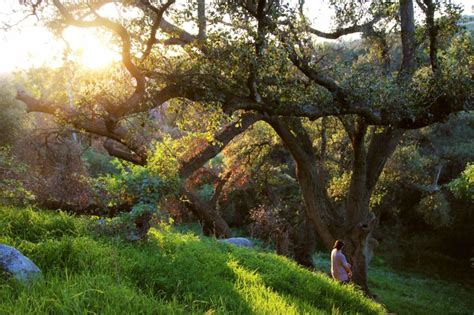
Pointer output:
407, 292
170, 273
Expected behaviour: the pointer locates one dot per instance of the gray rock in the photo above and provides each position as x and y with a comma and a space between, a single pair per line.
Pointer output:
238, 241
16, 264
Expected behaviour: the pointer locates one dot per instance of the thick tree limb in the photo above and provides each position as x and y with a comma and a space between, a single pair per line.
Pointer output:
381, 147
221, 140
357, 194
122, 153
438, 111
318, 206
202, 21
259, 45
407, 23
317, 77
92, 124
219, 187
357, 28
214, 224
433, 29
180, 36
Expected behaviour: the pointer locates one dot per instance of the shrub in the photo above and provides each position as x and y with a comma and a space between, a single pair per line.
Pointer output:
435, 210
12, 189
463, 186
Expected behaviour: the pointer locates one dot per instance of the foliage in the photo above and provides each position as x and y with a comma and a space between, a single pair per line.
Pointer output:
435, 210
12, 189
338, 186
266, 223
12, 120
463, 186
97, 163
165, 155
134, 185
337, 80
171, 273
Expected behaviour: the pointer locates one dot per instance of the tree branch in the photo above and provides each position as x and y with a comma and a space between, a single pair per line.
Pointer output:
156, 24
407, 23
219, 187
338, 93
357, 28
122, 153
228, 133
92, 124
120, 110
433, 29
202, 20
381, 147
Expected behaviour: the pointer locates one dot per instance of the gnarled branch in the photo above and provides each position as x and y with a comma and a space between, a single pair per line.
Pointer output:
357, 28
228, 133
120, 110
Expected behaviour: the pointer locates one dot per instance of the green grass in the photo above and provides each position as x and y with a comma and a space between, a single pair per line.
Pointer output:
411, 293
170, 273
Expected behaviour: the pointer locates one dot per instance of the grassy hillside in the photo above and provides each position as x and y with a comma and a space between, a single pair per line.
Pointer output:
171, 273
410, 293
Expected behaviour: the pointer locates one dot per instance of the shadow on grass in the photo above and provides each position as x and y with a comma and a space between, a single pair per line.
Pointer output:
176, 271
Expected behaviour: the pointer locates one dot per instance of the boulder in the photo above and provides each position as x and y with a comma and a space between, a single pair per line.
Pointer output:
17, 265
238, 241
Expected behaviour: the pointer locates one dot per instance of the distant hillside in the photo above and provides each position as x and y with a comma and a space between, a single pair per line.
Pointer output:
468, 22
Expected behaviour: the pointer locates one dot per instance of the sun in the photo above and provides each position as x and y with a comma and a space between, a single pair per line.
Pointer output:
35, 46
89, 47
95, 57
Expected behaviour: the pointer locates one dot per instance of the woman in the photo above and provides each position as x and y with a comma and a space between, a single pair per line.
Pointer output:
340, 268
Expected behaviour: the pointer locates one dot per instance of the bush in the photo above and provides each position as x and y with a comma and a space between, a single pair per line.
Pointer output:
134, 187
435, 210
463, 186
12, 189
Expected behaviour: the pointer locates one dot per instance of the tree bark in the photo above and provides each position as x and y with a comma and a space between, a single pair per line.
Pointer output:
355, 228
317, 204
305, 244
407, 23
213, 223
368, 163
357, 250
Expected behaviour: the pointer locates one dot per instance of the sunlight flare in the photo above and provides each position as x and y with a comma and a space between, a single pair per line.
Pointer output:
91, 50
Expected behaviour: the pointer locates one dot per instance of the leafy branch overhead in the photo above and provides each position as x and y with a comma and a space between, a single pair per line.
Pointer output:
212, 68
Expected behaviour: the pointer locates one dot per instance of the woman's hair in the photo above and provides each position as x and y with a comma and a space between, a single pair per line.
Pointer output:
338, 244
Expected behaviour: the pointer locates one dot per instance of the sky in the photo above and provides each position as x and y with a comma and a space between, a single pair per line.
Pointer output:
33, 46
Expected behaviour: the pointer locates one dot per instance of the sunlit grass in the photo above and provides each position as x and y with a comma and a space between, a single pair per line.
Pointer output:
411, 293
171, 273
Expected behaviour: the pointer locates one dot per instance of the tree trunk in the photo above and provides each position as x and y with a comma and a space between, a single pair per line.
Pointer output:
305, 244
282, 242
213, 223
357, 251
367, 166
317, 204
407, 25
356, 227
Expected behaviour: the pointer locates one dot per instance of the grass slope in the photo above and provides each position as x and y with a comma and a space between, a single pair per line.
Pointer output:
410, 293
171, 273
